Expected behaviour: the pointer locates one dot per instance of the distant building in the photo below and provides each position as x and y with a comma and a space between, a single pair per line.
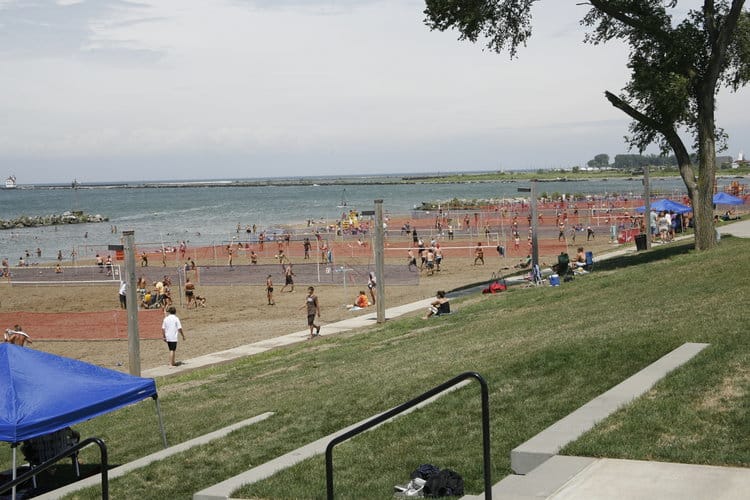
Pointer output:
740, 161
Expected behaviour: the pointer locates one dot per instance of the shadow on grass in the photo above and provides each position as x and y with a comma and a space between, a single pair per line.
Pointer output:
58, 476
661, 252
655, 254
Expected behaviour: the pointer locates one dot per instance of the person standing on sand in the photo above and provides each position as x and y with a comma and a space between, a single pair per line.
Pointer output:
478, 253
17, 336
288, 278
411, 260
269, 291
171, 328
313, 309
190, 293
306, 246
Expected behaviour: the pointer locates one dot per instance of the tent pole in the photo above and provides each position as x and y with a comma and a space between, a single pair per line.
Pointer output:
13, 494
161, 422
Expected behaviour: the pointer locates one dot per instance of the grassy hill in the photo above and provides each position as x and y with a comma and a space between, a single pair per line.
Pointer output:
544, 352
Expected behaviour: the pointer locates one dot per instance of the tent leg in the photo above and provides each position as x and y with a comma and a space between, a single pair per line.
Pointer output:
13, 493
161, 422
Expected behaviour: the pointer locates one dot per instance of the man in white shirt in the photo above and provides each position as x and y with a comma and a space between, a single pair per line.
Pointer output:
171, 328
123, 294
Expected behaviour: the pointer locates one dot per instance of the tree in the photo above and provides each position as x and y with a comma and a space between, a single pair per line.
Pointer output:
600, 161
677, 67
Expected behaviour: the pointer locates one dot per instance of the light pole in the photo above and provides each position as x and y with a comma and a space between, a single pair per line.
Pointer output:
134, 350
532, 201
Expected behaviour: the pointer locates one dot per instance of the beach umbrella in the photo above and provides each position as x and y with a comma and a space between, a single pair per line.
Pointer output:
723, 198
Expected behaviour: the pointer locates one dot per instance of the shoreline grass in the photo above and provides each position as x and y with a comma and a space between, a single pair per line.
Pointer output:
543, 351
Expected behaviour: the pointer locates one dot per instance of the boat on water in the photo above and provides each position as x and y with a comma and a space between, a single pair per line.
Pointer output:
10, 182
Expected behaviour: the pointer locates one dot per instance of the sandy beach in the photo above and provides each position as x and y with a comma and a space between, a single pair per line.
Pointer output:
239, 314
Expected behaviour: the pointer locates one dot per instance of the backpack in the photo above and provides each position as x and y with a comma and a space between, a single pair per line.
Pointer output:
445, 483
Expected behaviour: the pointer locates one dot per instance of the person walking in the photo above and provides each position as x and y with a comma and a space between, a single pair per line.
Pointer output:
313, 309
123, 294
171, 328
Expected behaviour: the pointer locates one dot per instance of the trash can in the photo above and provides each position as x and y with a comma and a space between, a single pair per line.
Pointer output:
640, 242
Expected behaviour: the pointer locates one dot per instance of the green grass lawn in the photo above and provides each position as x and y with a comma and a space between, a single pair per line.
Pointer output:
543, 351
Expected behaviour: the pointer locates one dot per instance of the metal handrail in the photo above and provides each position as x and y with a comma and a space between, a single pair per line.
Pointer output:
64, 454
409, 404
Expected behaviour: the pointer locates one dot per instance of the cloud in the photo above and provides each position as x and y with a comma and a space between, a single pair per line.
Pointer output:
61, 28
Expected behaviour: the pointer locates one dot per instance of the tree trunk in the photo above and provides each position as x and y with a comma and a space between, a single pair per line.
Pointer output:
702, 199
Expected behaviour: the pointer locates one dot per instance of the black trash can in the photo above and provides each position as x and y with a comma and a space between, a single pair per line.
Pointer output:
640, 242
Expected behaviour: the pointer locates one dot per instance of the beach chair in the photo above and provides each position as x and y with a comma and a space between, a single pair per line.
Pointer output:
38, 450
562, 268
589, 266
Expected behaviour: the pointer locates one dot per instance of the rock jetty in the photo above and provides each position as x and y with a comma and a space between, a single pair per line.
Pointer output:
51, 220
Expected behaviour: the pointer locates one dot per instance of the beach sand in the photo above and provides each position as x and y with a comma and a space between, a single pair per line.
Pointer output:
239, 314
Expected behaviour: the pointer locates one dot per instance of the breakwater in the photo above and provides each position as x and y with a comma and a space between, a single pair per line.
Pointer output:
51, 220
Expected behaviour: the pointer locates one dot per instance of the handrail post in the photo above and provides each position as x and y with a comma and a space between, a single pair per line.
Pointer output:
409, 404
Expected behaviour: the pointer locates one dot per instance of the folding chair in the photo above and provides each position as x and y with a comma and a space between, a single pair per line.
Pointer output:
589, 261
40, 449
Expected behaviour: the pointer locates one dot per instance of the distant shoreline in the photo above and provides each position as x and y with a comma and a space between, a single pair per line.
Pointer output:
345, 181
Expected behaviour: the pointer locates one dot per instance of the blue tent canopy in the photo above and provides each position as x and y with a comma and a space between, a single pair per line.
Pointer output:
723, 198
667, 205
41, 392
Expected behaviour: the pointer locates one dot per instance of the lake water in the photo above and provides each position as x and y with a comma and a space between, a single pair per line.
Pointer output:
209, 214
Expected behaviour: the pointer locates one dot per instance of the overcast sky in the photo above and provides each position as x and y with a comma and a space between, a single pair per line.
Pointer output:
118, 90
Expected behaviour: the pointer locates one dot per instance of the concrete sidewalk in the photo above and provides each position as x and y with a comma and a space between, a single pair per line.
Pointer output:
284, 340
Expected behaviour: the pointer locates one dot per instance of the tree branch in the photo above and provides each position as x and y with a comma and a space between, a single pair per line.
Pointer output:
635, 23
670, 134
720, 40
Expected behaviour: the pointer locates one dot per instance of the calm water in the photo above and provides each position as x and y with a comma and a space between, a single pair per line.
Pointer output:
209, 214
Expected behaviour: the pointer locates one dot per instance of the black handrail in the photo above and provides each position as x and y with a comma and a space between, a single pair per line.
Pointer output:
64, 454
409, 404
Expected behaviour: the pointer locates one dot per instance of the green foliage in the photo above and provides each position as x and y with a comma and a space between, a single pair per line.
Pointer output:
679, 58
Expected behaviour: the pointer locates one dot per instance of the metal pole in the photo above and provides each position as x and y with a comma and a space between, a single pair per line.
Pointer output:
647, 208
134, 350
379, 261
161, 422
534, 236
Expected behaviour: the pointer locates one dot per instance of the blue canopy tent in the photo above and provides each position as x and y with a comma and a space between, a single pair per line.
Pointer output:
723, 198
42, 393
667, 205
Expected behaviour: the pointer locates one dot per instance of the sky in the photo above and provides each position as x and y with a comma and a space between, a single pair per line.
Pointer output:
121, 90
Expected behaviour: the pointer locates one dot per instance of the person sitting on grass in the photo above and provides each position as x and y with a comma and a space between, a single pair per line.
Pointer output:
439, 306
361, 302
